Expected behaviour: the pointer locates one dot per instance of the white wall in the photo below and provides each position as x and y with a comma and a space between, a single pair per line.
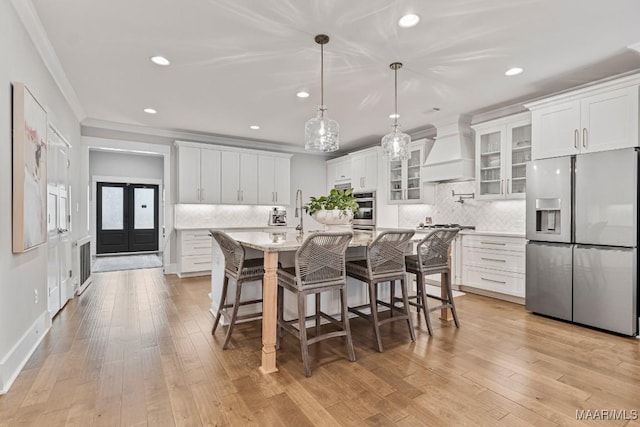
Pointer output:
106, 163
23, 321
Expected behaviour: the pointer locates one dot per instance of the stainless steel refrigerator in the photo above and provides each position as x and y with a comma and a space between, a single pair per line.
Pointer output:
582, 231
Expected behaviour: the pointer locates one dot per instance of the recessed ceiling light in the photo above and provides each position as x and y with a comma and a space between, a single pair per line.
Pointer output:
513, 71
302, 94
409, 20
150, 111
254, 127
160, 60
394, 116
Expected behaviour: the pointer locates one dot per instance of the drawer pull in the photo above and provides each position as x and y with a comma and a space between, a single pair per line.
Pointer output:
202, 247
202, 262
494, 281
494, 259
494, 243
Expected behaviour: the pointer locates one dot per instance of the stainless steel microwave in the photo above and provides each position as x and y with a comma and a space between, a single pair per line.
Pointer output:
366, 214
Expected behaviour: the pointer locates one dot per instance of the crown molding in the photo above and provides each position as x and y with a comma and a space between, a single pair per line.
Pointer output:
635, 46
170, 136
32, 24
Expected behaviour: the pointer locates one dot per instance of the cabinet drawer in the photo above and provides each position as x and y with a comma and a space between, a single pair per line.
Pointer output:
494, 259
495, 281
196, 263
196, 247
195, 235
501, 243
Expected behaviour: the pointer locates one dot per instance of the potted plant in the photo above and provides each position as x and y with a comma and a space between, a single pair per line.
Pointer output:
336, 208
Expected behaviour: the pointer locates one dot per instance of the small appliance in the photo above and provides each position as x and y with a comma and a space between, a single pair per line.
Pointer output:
278, 216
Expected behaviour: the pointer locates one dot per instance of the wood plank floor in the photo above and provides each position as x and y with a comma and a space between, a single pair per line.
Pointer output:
136, 349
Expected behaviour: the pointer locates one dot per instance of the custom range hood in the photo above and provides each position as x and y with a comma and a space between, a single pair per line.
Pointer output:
452, 157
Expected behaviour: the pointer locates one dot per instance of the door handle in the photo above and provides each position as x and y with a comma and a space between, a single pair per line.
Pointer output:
584, 137
576, 137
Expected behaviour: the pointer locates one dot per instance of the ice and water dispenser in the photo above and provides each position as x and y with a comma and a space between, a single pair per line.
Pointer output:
548, 216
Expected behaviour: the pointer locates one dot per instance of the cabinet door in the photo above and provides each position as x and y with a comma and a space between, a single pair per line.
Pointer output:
188, 175
266, 181
412, 176
283, 180
370, 179
230, 177
343, 169
331, 175
248, 179
517, 154
489, 163
210, 176
358, 171
610, 120
556, 130
396, 186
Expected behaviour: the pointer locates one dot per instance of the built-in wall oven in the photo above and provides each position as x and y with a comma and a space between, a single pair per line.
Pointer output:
365, 218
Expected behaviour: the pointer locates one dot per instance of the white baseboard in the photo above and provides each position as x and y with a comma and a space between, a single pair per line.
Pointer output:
170, 269
18, 356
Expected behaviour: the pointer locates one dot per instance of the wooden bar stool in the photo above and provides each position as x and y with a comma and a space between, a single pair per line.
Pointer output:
384, 263
319, 267
241, 270
432, 257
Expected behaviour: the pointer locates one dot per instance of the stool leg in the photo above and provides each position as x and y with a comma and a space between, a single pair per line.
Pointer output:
418, 295
345, 324
223, 300
318, 313
423, 299
234, 315
302, 324
373, 302
453, 306
392, 291
280, 316
405, 299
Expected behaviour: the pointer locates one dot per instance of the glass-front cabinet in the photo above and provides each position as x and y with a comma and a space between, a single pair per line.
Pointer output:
503, 147
405, 184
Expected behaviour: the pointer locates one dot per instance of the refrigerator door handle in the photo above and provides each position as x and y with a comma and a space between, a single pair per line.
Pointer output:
576, 136
584, 137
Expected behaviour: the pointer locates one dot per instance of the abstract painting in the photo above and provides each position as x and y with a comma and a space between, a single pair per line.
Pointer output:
29, 170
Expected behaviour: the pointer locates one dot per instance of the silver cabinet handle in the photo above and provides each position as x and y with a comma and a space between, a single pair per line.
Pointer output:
276, 196
494, 281
241, 195
202, 262
501, 190
493, 243
202, 194
507, 187
202, 247
576, 137
584, 137
238, 195
493, 259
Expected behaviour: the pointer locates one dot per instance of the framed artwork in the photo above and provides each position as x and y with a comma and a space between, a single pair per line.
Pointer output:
29, 170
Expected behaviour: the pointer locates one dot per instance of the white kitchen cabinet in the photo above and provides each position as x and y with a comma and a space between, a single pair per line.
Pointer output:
274, 176
405, 183
364, 169
598, 118
338, 171
194, 253
494, 263
239, 178
503, 147
198, 175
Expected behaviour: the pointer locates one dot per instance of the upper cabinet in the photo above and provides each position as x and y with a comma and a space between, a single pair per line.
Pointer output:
597, 118
274, 176
232, 176
405, 183
364, 169
503, 147
198, 175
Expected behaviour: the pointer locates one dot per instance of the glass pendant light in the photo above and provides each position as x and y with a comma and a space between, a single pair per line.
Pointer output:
320, 132
395, 144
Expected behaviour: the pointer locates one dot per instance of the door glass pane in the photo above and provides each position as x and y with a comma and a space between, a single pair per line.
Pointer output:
490, 163
62, 218
52, 208
144, 208
395, 177
520, 154
112, 208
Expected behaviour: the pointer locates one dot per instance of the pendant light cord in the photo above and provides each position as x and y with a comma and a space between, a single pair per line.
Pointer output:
322, 75
395, 116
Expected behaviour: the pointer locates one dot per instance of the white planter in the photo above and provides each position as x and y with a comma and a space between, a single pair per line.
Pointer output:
334, 219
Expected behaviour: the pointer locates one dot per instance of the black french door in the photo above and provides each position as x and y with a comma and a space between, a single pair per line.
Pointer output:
127, 218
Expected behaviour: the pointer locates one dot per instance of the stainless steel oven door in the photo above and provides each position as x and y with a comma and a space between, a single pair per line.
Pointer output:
366, 214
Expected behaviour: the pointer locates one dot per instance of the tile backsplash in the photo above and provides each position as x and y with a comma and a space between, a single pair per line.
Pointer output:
221, 216
486, 215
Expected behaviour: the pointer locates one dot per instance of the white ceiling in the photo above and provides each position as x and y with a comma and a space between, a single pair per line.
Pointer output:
237, 63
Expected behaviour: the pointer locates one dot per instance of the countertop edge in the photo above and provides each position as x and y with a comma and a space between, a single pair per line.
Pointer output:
493, 233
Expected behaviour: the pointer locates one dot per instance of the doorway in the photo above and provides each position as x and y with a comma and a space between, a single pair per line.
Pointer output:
126, 218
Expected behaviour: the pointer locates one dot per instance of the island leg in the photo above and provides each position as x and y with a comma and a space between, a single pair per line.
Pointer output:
269, 313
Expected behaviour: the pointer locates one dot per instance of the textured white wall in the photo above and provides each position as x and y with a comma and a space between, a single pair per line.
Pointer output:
105, 163
495, 215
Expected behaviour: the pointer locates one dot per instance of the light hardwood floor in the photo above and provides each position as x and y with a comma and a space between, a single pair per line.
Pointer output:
136, 349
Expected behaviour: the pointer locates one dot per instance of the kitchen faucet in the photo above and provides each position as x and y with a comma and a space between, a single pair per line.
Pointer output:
299, 213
